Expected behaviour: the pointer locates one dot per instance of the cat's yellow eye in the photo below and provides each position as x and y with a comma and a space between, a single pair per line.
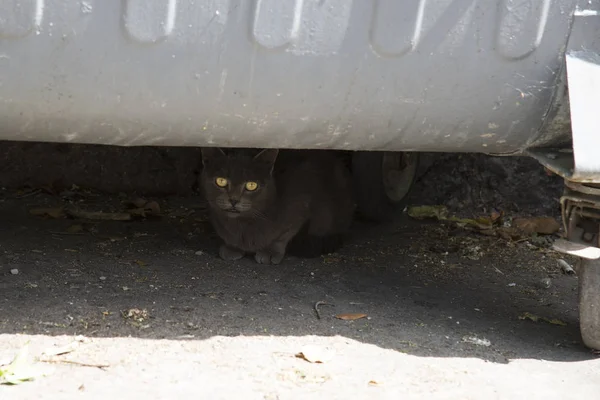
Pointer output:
221, 182
251, 186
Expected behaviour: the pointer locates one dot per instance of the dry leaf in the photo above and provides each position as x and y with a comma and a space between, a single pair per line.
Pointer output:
496, 216
537, 318
421, 212
316, 354
481, 223
19, 370
75, 229
543, 225
48, 212
441, 213
509, 233
20, 194
374, 383
152, 207
114, 238
99, 215
142, 207
136, 314
139, 202
350, 316
49, 189
140, 263
137, 212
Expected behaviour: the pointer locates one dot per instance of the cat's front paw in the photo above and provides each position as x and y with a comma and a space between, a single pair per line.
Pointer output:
228, 253
268, 257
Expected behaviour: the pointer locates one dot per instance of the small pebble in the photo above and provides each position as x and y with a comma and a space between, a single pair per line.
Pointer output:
512, 284
14, 271
477, 341
102, 278
546, 283
199, 253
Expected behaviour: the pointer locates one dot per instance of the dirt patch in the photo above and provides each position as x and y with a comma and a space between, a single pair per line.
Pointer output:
109, 169
154, 309
475, 184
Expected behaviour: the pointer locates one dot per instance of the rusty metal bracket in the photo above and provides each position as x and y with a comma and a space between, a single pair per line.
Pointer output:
559, 161
580, 208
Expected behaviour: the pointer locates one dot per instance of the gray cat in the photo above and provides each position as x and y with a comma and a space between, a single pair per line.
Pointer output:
302, 203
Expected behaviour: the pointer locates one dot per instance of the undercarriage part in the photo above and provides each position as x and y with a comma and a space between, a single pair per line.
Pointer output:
580, 206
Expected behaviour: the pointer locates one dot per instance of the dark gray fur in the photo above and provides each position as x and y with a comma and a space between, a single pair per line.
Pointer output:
304, 197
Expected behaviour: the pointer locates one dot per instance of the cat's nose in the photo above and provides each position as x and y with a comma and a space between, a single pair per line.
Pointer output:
233, 202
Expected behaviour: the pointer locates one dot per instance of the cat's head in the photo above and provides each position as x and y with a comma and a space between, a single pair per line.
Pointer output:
238, 184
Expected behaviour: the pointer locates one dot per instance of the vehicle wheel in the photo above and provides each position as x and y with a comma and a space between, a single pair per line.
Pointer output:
381, 181
589, 302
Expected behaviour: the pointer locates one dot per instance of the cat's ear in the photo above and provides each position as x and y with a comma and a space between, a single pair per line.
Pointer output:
267, 157
211, 154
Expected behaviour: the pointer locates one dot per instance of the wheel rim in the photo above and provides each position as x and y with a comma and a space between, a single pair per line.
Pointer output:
398, 171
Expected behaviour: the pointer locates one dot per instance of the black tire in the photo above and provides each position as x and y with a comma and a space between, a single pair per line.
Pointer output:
589, 302
372, 198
